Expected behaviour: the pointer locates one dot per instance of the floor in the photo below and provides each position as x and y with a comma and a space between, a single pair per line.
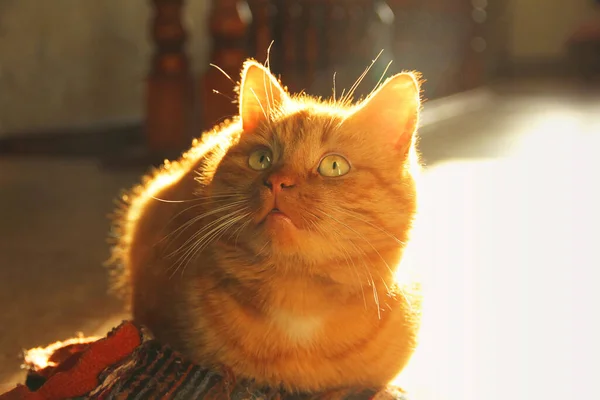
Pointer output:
53, 229
510, 222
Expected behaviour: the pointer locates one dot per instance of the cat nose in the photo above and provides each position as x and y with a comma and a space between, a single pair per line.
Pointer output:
279, 182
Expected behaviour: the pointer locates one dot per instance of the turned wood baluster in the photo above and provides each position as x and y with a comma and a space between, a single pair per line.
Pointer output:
335, 16
362, 42
404, 48
311, 19
290, 12
262, 12
228, 23
364, 17
169, 93
473, 67
380, 30
354, 35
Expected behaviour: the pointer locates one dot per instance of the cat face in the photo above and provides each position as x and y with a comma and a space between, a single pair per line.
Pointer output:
321, 184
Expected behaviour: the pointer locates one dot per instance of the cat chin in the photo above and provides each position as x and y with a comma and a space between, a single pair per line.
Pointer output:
279, 222
282, 233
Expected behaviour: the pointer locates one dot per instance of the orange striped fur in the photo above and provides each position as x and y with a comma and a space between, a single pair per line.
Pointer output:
309, 297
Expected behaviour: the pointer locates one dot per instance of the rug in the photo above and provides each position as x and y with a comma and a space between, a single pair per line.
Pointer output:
130, 363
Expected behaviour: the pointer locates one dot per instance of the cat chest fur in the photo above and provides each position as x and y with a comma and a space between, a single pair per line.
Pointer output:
298, 329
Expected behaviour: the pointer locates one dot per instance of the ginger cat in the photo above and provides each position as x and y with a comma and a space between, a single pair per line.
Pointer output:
272, 245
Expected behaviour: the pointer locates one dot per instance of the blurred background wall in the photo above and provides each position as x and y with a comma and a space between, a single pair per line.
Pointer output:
539, 28
51, 78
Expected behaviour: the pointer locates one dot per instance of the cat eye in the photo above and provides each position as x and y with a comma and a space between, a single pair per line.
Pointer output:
333, 165
260, 159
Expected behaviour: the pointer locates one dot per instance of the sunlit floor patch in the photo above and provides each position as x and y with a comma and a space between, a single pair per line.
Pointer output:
509, 252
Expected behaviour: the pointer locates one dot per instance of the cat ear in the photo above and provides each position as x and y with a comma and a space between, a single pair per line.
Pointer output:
260, 94
392, 111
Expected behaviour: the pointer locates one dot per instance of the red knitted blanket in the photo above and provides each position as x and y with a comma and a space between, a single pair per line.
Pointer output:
130, 363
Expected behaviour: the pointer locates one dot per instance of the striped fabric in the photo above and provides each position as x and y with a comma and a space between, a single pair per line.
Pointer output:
153, 371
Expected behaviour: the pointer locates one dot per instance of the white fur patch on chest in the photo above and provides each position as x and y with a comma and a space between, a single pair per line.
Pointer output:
299, 329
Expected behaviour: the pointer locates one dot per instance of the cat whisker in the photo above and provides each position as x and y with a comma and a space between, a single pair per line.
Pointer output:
263, 248
213, 236
350, 261
215, 91
375, 295
239, 230
223, 193
216, 201
203, 204
220, 197
356, 216
381, 78
365, 263
241, 218
222, 223
268, 66
210, 202
364, 259
181, 229
204, 228
358, 81
387, 288
196, 218
393, 237
218, 222
170, 201
334, 72
374, 249
267, 118
222, 71
360, 236
340, 241
268, 59
188, 200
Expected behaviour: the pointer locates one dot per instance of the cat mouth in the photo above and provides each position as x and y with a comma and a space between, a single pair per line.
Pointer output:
276, 216
277, 213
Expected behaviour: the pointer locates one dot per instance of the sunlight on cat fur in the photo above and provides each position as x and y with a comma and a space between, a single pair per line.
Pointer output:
306, 291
